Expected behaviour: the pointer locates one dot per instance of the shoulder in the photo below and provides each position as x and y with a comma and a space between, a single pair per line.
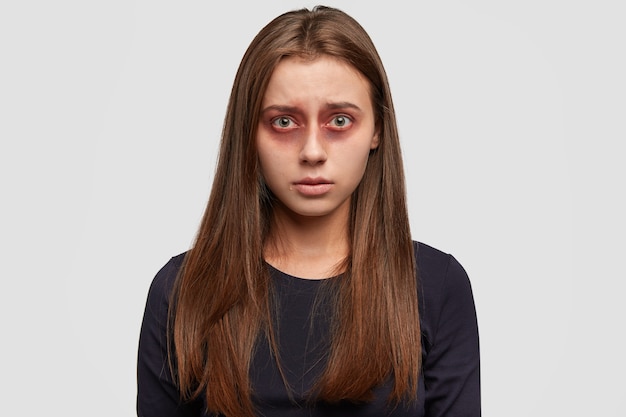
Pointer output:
444, 288
436, 268
162, 285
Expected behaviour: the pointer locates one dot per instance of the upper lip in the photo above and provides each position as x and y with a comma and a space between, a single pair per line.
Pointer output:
313, 181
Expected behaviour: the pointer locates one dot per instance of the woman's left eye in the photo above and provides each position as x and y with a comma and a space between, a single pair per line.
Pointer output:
340, 121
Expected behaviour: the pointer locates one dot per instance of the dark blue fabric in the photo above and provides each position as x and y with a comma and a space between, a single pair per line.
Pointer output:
449, 384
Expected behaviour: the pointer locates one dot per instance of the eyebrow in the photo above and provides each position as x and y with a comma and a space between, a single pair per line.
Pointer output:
330, 106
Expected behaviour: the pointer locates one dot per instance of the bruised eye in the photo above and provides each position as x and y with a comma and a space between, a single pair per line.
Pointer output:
340, 121
282, 122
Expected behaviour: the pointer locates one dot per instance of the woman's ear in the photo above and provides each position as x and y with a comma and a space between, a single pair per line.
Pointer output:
375, 140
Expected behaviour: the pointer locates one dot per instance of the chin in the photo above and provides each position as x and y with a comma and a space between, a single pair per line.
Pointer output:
311, 213
315, 210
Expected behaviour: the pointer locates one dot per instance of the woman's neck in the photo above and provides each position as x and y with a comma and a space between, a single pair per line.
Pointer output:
308, 247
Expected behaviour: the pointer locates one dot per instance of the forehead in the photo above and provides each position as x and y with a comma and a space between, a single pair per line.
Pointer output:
321, 78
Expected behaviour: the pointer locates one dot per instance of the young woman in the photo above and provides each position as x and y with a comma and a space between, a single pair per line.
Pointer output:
304, 294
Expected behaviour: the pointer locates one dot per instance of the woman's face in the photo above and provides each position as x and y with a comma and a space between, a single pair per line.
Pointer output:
315, 133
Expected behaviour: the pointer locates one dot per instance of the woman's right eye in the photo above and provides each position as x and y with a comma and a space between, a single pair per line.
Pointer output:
282, 122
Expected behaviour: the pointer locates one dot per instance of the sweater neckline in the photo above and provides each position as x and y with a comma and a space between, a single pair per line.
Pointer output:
285, 275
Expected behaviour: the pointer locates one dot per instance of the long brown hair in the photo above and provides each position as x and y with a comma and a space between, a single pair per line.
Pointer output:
221, 300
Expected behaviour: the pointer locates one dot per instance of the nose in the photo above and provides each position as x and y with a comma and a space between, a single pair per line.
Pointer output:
313, 150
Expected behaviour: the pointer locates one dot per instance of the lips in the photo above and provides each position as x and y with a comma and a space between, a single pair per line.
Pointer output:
313, 186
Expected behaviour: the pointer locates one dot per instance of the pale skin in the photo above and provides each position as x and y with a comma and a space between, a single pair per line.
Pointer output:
316, 130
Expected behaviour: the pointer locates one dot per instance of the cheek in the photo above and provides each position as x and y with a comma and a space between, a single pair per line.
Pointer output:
355, 160
270, 164
264, 155
359, 170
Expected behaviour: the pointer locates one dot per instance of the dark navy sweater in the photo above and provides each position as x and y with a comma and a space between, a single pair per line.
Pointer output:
449, 384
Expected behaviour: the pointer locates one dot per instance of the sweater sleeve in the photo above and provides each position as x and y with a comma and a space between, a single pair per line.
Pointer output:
452, 365
157, 394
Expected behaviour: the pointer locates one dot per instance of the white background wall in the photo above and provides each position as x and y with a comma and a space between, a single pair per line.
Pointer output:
511, 115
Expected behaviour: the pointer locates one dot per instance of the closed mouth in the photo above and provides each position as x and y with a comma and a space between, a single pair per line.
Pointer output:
313, 181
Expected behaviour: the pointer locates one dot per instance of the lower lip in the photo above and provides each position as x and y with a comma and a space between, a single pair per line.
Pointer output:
313, 189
